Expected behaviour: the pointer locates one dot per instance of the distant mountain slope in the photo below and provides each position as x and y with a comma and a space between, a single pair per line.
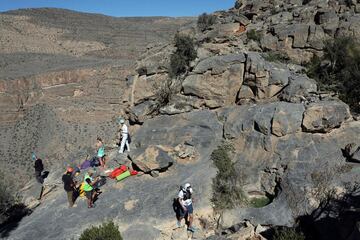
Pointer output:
62, 32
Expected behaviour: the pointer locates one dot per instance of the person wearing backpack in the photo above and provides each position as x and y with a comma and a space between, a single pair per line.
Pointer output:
185, 206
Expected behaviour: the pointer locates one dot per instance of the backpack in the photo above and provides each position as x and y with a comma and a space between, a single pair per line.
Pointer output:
186, 192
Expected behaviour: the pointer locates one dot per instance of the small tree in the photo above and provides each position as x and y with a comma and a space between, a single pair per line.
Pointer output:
339, 70
107, 231
226, 190
254, 35
205, 21
184, 54
288, 234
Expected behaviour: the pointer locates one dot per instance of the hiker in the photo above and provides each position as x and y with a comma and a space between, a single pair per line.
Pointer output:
90, 189
185, 209
100, 148
124, 136
69, 185
39, 167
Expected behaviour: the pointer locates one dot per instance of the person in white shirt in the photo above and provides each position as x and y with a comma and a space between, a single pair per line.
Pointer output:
124, 136
186, 206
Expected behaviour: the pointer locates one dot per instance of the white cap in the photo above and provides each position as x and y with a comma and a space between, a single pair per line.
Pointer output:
122, 120
186, 185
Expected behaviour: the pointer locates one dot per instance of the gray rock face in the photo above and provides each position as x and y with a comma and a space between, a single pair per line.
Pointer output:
277, 213
325, 116
299, 87
287, 119
218, 64
129, 201
140, 231
294, 157
278, 118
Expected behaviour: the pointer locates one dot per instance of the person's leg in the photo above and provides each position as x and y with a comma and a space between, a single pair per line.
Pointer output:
179, 216
88, 195
70, 198
122, 145
127, 144
190, 217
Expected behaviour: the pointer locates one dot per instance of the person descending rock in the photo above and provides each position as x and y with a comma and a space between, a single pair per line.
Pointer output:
100, 148
186, 206
124, 136
39, 167
69, 185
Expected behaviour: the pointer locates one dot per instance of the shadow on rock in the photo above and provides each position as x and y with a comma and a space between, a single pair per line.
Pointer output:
14, 216
335, 219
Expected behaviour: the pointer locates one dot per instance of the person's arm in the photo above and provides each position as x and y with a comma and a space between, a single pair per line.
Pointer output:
180, 199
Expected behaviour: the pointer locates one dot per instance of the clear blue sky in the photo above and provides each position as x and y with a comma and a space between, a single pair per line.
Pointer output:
120, 8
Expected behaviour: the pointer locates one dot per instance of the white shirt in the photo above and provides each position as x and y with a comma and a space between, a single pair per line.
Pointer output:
124, 129
186, 202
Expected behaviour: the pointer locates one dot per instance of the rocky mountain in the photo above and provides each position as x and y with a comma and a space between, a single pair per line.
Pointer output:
287, 137
60, 67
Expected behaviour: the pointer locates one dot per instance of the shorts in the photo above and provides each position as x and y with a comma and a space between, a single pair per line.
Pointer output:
89, 194
182, 213
189, 209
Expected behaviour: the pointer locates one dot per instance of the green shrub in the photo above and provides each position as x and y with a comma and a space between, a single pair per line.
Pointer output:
339, 70
288, 234
107, 231
205, 21
276, 57
254, 35
184, 54
227, 191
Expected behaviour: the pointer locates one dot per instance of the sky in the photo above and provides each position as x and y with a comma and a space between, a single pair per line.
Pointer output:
125, 8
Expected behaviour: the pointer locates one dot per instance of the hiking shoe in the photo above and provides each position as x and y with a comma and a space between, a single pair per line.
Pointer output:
192, 229
178, 224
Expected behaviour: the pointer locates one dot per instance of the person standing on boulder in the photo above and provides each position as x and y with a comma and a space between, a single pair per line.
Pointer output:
186, 207
124, 136
69, 185
89, 189
100, 149
39, 167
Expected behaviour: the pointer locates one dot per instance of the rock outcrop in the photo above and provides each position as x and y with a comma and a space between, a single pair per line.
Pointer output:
287, 137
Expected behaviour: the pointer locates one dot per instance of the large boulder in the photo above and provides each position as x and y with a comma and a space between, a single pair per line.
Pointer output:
325, 116
218, 64
145, 87
221, 88
299, 88
287, 119
278, 118
152, 158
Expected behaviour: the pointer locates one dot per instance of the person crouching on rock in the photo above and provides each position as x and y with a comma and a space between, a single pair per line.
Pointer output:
100, 148
90, 189
69, 185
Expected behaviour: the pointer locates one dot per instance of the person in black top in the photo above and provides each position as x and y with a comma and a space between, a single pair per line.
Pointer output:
39, 167
69, 185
